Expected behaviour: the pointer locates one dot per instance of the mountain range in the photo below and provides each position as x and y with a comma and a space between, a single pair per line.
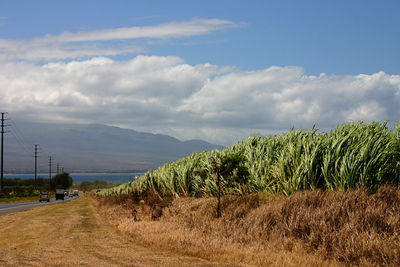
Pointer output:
92, 148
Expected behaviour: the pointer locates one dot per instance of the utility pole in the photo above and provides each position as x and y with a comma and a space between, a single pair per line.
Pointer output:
36, 148
2, 149
58, 168
49, 171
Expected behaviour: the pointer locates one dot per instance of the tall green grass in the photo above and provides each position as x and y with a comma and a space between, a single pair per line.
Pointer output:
353, 154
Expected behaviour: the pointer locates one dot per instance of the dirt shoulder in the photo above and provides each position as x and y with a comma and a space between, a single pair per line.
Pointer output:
71, 234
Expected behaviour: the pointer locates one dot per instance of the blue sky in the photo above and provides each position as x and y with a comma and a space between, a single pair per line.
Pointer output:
208, 48
336, 37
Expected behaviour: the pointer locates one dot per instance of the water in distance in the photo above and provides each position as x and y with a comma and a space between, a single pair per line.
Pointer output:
78, 178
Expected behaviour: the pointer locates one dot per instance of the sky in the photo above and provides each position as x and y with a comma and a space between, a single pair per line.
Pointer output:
213, 70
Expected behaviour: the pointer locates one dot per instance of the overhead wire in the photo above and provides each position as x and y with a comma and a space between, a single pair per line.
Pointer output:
26, 148
19, 136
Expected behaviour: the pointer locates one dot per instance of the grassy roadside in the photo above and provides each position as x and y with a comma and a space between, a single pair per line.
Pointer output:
15, 199
18, 199
73, 233
312, 228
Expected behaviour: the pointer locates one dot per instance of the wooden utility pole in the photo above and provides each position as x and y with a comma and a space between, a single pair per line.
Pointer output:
49, 172
49, 167
36, 150
2, 150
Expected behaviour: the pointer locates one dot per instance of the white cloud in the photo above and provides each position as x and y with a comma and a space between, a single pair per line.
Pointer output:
218, 104
166, 30
87, 44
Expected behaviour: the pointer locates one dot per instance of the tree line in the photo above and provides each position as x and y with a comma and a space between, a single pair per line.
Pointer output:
27, 187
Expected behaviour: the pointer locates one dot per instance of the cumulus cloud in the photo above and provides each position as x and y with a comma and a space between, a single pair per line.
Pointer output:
215, 103
91, 43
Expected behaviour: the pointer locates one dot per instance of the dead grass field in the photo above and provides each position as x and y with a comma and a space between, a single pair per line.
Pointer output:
312, 228
188, 226
74, 234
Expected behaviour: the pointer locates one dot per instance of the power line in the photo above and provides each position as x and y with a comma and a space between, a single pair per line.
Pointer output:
21, 140
17, 130
21, 143
19, 136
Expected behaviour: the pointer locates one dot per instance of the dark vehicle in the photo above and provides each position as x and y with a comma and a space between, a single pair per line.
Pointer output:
60, 194
44, 196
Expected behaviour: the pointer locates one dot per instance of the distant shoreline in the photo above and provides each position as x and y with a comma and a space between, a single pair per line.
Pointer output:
78, 172
83, 177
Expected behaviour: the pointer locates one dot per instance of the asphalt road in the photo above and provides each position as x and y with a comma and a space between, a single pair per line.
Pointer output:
20, 206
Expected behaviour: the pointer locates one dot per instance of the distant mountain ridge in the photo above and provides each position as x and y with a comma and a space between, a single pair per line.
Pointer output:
94, 148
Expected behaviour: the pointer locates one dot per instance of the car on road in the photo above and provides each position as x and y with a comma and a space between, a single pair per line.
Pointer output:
44, 196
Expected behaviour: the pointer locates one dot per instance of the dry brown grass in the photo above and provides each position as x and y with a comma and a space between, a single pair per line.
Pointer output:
74, 234
309, 228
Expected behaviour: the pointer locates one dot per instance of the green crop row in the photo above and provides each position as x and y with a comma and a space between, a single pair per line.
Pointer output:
353, 154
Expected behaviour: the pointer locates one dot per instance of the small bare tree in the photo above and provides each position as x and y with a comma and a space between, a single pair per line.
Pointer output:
230, 171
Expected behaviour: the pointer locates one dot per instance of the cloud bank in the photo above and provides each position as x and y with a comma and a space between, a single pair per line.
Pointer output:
214, 103
104, 42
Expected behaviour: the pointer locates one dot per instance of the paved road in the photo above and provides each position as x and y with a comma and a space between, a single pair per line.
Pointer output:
14, 207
